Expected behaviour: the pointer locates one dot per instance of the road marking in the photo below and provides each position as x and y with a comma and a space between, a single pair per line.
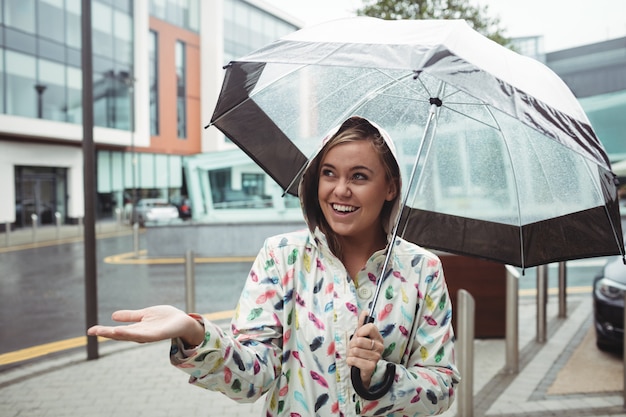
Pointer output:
53, 347
60, 241
129, 258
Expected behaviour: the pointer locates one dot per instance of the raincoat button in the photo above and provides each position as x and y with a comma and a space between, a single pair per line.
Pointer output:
365, 293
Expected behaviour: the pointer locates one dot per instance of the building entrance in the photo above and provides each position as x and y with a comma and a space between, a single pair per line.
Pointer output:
39, 191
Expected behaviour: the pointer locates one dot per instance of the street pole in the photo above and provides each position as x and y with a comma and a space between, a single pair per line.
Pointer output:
40, 88
89, 174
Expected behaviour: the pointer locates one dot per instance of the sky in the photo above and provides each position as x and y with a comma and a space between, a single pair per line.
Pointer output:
563, 23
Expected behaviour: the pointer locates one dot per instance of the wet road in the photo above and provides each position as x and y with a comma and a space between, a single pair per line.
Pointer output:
42, 290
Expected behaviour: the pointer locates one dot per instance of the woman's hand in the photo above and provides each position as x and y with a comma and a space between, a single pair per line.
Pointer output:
365, 349
152, 324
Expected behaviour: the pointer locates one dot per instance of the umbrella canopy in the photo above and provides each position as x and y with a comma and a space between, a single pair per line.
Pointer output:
506, 165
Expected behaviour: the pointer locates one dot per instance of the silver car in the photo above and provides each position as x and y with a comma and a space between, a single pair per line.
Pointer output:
154, 210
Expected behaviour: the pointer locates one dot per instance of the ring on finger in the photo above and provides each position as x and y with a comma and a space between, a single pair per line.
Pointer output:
372, 346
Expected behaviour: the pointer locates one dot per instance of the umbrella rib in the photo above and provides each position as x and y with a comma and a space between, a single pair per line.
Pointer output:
405, 199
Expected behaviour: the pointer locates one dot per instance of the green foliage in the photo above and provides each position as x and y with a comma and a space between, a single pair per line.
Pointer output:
476, 16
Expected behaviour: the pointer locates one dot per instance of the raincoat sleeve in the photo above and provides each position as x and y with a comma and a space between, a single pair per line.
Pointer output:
425, 382
242, 365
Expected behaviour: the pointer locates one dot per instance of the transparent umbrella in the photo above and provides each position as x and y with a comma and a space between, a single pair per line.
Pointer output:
501, 160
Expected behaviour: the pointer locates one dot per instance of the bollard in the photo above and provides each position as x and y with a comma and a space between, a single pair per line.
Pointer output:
57, 217
33, 219
118, 218
7, 231
542, 301
190, 285
136, 239
465, 356
562, 290
512, 321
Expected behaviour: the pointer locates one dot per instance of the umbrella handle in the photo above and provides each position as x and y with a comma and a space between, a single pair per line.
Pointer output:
383, 388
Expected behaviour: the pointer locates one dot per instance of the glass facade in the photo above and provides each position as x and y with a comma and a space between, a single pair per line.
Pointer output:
247, 28
181, 13
123, 176
40, 60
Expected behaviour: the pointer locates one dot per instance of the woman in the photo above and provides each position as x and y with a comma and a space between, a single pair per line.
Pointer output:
299, 326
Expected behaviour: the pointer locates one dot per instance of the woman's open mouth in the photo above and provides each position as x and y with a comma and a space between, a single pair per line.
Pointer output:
342, 208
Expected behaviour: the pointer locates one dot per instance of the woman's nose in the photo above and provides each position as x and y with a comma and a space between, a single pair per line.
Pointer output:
343, 188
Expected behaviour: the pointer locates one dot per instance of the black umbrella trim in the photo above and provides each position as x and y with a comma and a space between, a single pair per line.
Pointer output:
252, 130
559, 239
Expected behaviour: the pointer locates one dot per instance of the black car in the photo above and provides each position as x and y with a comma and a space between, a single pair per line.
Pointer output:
608, 304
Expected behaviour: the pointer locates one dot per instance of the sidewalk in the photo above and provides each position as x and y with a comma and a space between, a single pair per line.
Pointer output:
136, 380
52, 234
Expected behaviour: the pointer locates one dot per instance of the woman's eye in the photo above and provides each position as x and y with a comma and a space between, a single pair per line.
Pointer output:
359, 176
327, 173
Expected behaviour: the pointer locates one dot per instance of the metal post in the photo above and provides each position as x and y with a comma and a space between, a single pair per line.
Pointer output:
118, 218
7, 231
542, 301
465, 354
57, 217
562, 290
33, 219
190, 286
80, 226
136, 239
512, 321
89, 183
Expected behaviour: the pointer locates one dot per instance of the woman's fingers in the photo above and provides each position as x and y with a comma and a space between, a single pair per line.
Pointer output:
127, 316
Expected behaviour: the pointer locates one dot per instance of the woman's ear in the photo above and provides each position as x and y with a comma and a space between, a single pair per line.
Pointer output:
392, 191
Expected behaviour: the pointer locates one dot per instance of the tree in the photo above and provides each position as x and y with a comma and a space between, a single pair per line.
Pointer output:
476, 16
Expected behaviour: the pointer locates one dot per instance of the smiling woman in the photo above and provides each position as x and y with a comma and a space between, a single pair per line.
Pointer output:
318, 285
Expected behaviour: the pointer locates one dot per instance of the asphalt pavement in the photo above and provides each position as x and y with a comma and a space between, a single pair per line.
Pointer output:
134, 380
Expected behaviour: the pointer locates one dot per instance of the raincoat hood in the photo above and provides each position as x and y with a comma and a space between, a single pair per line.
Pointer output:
307, 188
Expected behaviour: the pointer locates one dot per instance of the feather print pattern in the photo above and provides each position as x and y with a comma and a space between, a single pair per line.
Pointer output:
292, 325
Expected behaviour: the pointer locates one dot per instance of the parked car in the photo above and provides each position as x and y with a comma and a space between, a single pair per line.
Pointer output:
609, 287
184, 208
154, 210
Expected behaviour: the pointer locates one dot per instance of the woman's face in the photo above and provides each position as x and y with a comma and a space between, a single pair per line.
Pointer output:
352, 190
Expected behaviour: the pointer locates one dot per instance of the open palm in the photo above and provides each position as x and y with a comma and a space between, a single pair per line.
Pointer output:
150, 324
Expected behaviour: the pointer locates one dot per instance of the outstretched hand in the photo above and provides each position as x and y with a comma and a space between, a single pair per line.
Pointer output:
152, 324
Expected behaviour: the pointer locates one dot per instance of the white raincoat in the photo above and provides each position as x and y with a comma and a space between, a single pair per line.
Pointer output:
299, 307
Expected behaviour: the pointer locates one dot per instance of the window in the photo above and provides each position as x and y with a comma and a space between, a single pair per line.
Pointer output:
20, 81
102, 29
50, 21
123, 37
181, 87
73, 23
154, 82
74, 95
20, 14
51, 103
